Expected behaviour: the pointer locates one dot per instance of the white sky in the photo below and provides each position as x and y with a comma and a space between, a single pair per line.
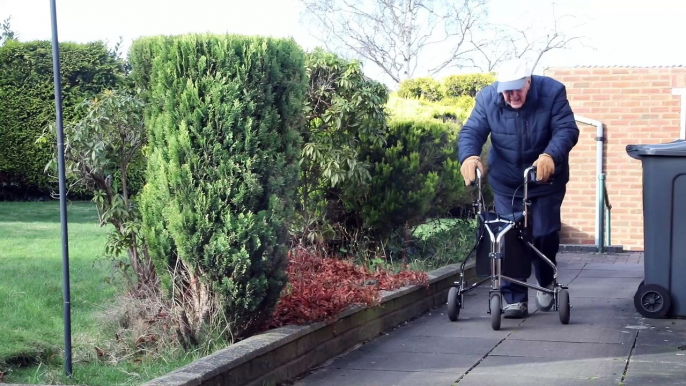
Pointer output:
650, 32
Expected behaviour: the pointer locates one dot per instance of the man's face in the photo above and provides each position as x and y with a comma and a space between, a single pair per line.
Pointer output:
516, 98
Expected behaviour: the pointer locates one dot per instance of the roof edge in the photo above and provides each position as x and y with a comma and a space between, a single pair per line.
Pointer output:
615, 66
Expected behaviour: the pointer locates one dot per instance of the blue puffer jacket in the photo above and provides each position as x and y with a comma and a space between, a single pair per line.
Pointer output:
545, 124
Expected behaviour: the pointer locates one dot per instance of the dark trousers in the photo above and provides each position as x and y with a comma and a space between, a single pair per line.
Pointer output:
545, 221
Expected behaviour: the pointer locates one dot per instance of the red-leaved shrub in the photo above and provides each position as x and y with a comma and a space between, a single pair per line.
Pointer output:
321, 287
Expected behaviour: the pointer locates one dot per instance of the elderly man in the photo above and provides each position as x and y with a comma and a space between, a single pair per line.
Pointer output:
531, 123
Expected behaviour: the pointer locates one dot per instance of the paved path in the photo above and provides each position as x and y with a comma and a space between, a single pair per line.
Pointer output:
606, 342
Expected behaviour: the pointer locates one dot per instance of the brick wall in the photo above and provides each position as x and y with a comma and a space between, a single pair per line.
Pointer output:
637, 106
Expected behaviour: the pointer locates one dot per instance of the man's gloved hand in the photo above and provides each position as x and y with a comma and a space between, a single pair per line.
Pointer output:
468, 169
545, 167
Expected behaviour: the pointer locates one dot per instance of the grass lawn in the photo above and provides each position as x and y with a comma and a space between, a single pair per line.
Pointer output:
31, 303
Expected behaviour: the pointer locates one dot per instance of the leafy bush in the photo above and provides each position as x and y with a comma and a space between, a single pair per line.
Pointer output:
420, 88
100, 150
224, 118
440, 242
453, 110
343, 110
27, 103
415, 175
466, 85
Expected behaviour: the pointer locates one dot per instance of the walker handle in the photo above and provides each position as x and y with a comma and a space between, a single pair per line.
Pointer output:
530, 176
477, 181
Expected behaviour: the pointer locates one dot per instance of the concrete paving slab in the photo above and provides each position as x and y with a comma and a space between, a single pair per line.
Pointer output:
335, 377
406, 361
654, 373
615, 267
662, 354
545, 371
466, 326
527, 380
431, 345
532, 380
562, 350
563, 265
603, 287
594, 273
666, 336
666, 325
615, 312
543, 329
604, 333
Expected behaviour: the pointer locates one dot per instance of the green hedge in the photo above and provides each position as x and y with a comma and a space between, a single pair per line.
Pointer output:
27, 103
466, 84
453, 86
421, 88
223, 130
415, 175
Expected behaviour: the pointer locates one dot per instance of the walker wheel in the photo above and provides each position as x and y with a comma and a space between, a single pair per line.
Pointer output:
563, 306
652, 301
454, 303
496, 311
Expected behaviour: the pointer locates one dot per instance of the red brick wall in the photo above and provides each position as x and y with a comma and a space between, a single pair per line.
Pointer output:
637, 106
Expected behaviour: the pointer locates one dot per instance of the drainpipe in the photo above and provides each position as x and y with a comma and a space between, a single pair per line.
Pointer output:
600, 181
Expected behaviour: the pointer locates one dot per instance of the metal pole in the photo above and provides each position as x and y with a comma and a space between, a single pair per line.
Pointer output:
63, 190
608, 227
600, 240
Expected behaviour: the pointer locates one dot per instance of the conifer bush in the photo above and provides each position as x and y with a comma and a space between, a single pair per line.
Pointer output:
224, 115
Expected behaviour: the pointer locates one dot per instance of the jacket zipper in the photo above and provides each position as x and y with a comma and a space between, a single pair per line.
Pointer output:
519, 141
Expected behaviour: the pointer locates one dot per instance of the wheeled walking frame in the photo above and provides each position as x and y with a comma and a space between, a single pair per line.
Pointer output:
505, 254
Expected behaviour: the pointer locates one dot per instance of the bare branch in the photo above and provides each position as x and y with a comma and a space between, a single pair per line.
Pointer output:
509, 42
394, 34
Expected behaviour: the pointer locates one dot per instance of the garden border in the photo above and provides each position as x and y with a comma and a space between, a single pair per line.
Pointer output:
284, 353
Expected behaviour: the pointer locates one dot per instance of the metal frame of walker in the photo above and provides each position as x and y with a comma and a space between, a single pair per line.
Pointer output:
459, 288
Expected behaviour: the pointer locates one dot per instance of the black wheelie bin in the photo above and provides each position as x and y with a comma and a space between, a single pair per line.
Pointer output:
663, 290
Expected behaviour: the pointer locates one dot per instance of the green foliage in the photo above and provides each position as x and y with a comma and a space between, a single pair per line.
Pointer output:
448, 110
27, 102
466, 85
440, 242
454, 107
421, 88
224, 119
6, 32
414, 176
343, 110
100, 149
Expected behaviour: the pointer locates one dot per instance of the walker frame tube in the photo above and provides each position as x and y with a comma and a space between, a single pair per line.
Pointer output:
496, 254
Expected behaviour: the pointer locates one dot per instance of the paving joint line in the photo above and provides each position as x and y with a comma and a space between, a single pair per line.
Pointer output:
480, 360
628, 359
506, 337
490, 351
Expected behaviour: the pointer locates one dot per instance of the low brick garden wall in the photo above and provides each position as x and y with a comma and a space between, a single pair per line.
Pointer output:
285, 353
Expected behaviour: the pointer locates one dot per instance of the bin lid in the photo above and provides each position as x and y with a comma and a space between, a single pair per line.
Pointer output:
673, 149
